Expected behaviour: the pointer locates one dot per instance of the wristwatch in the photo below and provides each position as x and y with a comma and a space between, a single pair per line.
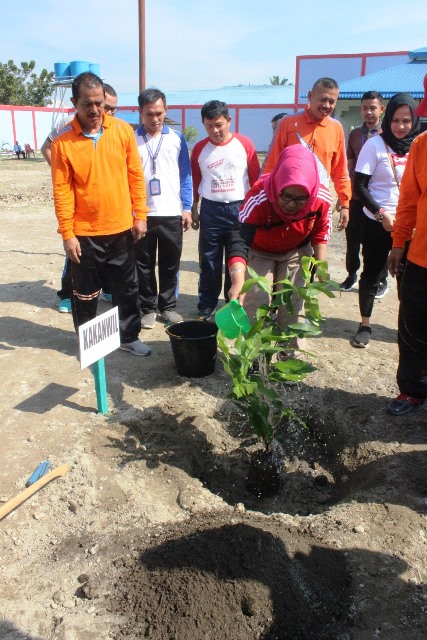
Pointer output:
379, 215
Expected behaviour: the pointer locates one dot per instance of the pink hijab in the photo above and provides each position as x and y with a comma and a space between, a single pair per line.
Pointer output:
296, 166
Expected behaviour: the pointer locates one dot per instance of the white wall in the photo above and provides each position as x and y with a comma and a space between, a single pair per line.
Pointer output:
251, 121
27, 130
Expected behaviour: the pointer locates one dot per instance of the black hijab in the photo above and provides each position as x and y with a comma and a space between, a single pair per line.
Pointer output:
400, 146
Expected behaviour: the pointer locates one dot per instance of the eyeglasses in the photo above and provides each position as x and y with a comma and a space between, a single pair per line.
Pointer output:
298, 200
109, 109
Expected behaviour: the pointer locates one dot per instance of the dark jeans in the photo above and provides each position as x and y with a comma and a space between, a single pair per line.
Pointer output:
353, 234
107, 259
216, 221
412, 334
164, 238
376, 245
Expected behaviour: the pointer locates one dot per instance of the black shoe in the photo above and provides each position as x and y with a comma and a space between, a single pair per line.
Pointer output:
348, 283
205, 314
362, 337
382, 290
403, 404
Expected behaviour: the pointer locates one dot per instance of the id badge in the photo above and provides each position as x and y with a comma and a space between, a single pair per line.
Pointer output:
155, 187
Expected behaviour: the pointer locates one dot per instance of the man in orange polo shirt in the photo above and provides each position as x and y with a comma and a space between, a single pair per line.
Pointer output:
100, 203
324, 136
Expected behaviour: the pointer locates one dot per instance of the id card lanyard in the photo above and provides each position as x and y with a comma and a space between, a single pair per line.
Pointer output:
154, 183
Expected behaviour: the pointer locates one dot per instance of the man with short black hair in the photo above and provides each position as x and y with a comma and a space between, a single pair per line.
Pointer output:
100, 203
371, 110
166, 163
110, 104
65, 292
18, 150
275, 120
324, 136
224, 165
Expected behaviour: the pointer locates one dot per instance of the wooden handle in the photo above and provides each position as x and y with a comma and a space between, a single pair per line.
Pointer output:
27, 493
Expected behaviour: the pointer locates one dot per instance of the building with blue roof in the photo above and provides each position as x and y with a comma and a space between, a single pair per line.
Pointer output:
407, 77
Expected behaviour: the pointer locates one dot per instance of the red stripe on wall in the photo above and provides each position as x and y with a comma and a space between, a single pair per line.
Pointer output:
297, 72
34, 130
13, 125
354, 55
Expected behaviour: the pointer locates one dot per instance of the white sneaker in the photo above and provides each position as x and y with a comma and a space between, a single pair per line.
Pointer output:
137, 348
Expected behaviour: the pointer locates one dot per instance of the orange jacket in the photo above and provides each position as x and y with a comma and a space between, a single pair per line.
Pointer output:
325, 138
411, 210
97, 189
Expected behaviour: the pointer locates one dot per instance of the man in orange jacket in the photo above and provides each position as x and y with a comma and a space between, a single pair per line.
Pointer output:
100, 203
324, 136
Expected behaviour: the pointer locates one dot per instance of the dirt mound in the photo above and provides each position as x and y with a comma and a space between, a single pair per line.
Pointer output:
251, 579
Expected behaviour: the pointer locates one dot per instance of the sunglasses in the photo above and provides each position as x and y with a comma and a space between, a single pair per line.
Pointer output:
109, 109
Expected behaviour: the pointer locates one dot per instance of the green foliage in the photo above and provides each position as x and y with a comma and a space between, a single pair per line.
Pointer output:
190, 134
276, 81
21, 86
257, 392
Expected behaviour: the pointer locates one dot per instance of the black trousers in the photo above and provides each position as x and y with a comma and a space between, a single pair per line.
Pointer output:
412, 332
353, 234
107, 259
164, 239
216, 222
376, 245
66, 290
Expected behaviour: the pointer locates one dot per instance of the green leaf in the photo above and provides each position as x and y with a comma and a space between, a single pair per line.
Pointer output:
305, 330
294, 366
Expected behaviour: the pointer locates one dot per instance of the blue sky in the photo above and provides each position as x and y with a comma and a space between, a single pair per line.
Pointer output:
191, 44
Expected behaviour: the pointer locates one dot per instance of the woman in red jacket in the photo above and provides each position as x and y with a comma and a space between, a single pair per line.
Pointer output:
285, 215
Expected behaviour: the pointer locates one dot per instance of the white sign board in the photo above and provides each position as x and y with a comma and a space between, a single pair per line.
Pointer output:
99, 337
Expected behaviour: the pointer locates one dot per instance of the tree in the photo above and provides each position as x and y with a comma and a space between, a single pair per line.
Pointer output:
276, 81
190, 134
21, 86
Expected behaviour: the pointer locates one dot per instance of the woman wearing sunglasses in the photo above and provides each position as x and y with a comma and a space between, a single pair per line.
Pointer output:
285, 215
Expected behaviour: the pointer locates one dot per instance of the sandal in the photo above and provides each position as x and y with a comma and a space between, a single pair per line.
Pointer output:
362, 337
403, 404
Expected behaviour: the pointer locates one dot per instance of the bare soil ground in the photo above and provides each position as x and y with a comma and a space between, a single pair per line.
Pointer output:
152, 533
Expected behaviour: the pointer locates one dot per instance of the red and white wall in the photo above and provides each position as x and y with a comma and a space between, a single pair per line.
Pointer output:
342, 67
32, 124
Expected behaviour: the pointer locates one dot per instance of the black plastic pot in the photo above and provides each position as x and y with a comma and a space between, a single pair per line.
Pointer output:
194, 347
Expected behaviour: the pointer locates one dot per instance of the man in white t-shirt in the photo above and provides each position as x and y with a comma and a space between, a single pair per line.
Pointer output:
224, 166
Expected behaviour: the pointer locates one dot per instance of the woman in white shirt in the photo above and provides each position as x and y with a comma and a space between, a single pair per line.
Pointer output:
378, 174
